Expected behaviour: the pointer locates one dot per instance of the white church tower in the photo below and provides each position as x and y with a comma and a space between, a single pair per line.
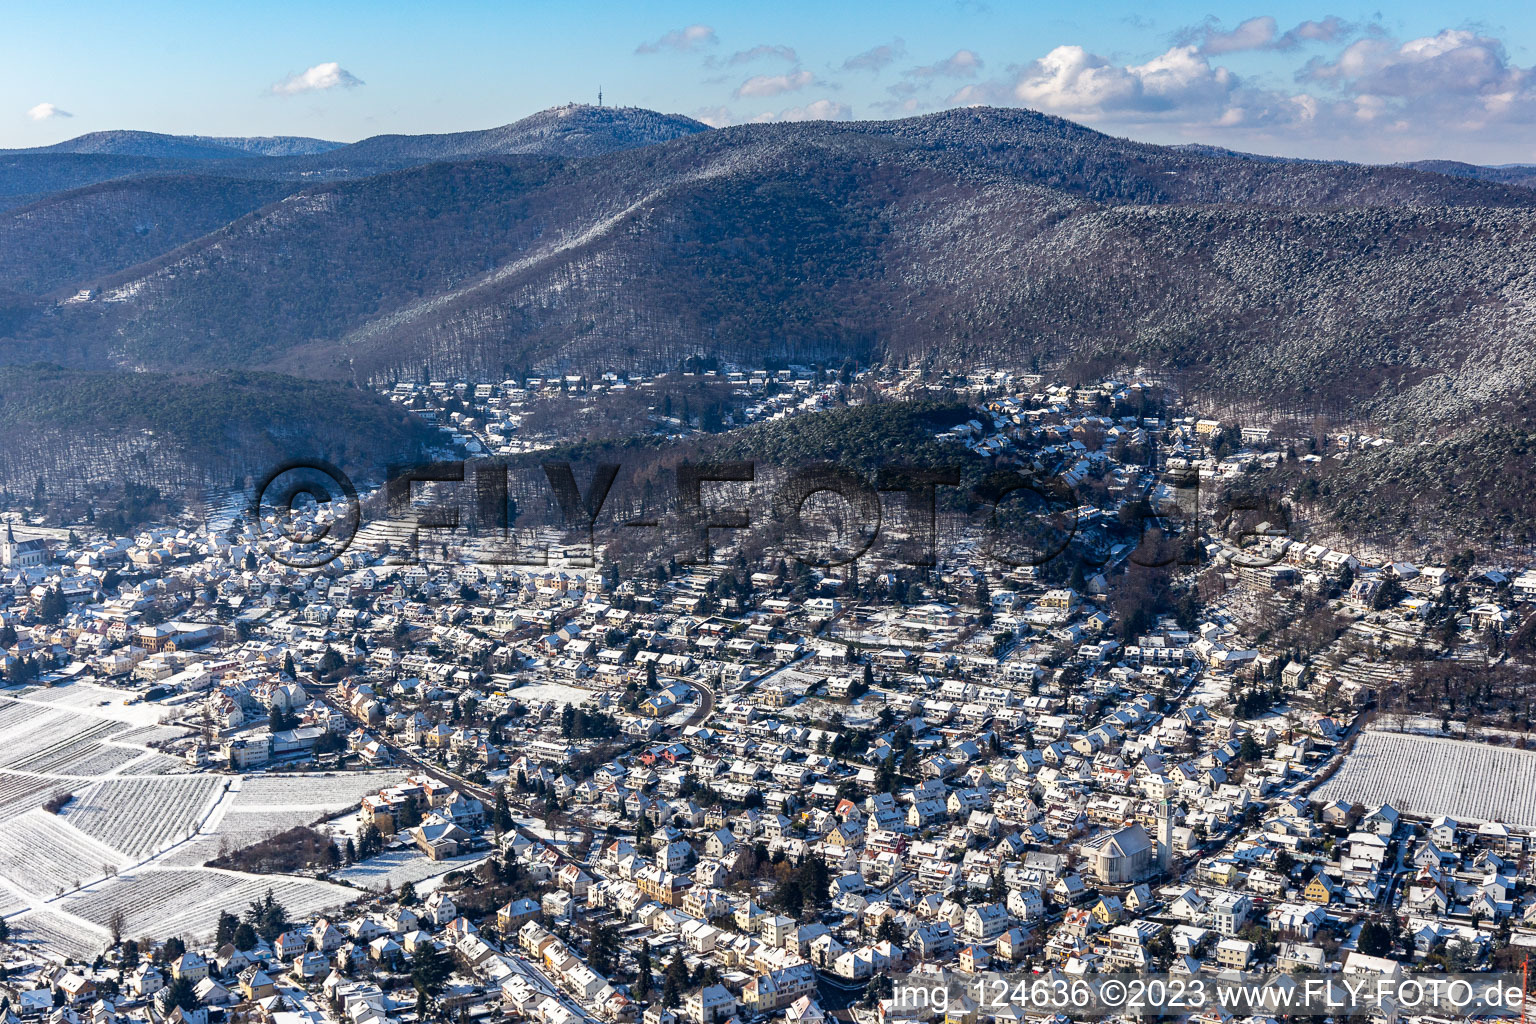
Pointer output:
1164, 836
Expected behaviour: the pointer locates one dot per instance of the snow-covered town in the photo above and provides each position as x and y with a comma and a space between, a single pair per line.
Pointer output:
416, 788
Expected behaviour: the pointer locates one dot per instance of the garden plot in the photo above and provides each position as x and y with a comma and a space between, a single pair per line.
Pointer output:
44, 932
558, 693
41, 855
323, 794
187, 901
393, 868
1427, 776
142, 815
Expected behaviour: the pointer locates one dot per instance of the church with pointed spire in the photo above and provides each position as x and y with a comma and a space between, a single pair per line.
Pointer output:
22, 554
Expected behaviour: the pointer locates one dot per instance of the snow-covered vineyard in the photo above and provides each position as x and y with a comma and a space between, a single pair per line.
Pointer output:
135, 826
1427, 777
187, 901
143, 816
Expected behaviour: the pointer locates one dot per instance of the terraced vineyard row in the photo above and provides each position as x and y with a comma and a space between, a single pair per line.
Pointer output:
82, 757
43, 855
187, 901
140, 816
322, 792
55, 741
1427, 776
50, 933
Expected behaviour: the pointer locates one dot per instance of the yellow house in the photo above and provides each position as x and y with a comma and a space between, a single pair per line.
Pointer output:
256, 984
1108, 910
1226, 873
1321, 889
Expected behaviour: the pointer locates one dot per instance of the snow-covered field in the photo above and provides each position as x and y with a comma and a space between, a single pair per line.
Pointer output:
260, 806
99, 701
187, 901
394, 868
154, 734
21, 793
155, 763
330, 792
43, 742
141, 824
40, 855
44, 932
141, 816
1428, 776
238, 828
560, 693
86, 758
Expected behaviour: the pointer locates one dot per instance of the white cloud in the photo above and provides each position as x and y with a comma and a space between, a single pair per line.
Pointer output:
1253, 34
1453, 81
329, 75
46, 112
682, 40
1455, 93
784, 53
960, 64
1263, 33
715, 117
1071, 80
818, 110
876, 58
1454, 62
774, 85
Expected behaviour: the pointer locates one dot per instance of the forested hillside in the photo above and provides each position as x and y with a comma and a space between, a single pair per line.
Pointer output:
587, 239
80, 430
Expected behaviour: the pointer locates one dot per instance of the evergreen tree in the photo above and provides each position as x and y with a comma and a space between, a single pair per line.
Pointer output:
643, 970
675, 981
430, 967
502, 819
244, 937
267, 917
52, 607
179, 994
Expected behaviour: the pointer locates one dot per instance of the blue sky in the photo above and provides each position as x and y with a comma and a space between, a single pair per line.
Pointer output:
1416, 81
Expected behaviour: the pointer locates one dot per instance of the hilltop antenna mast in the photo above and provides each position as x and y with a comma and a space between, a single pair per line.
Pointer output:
599, 95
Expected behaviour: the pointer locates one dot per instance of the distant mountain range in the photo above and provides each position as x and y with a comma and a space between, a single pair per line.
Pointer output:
183, 147
1002, 235
1523, 175
27, 175
594, 238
